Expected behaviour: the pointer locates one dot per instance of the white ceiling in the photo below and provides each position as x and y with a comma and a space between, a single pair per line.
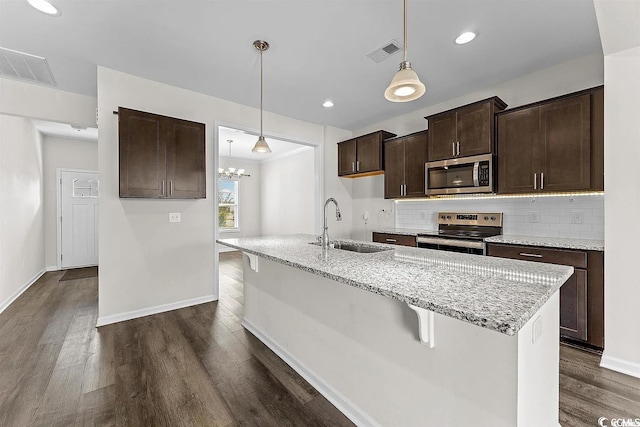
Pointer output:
243, 142
65, 130
318, 48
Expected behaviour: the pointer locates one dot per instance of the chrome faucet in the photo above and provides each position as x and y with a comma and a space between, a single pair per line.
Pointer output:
324, 241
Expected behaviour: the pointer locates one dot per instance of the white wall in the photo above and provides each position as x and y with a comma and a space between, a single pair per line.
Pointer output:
146, 264
248, 198
619, 24
65, 153
287, 194
574, 75
553, 214
21, 207
339, 188
46, 103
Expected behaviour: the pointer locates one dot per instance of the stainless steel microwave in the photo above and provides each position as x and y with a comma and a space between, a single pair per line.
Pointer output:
472, 174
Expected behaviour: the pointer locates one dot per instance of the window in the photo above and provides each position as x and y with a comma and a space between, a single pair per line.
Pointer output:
227, 204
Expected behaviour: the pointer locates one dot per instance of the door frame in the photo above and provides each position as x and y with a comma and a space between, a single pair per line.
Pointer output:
59, 209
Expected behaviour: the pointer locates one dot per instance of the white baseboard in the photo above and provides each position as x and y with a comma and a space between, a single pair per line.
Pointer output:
620, 365
121, 317
52, 268
350, 410
19, 292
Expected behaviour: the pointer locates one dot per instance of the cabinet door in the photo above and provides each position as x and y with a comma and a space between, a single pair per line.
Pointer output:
518, 139
347, 157
186, 162
142, 154
369, 157
415, 151
442, 136
474, 134
565, 144
573, 306
394, 168
597, 140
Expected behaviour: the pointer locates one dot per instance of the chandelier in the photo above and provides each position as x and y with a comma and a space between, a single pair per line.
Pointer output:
231, 172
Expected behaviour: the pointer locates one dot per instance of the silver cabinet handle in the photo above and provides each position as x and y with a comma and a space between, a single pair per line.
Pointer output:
458, 143
530, 255
171, 188
535, 181
542, 181
162, 187
401, 190
358, 166
405, 189
353, 166
453, 148
391, 240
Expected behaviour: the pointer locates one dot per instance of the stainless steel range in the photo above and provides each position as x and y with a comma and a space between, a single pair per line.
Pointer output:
462, 232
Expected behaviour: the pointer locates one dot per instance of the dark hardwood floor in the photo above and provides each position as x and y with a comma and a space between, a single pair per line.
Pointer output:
196, 367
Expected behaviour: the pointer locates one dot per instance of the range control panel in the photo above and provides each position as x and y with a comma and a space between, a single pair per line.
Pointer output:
492, 219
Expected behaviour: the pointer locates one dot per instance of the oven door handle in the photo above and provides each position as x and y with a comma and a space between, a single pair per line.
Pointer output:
460, 243
476, 173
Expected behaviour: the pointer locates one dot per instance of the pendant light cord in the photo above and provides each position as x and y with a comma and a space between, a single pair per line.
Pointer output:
405, 31
261, 89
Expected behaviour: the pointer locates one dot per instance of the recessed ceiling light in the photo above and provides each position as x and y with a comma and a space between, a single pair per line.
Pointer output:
465, 37
45, 7
327, 104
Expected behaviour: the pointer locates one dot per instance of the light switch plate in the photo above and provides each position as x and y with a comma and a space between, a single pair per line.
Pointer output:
534, 216
174, 217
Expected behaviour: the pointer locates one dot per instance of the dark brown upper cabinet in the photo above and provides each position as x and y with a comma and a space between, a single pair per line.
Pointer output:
463, 131
404, 159
160, 157
362, 156
553, 146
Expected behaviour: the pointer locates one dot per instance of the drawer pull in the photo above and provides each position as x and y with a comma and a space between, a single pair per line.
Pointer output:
391, 240
530, 255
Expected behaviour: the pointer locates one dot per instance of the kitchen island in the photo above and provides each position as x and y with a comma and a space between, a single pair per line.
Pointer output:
409, 336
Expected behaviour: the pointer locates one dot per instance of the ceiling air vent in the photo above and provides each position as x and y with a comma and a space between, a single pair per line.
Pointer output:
385, 51
26, 67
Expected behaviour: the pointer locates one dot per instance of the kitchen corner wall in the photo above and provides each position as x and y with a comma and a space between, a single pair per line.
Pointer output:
535, 216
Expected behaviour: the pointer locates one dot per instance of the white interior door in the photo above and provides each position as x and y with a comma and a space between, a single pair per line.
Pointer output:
79, 193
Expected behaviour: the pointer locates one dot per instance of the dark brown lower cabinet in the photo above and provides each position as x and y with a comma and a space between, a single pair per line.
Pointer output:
395, 239
581, 297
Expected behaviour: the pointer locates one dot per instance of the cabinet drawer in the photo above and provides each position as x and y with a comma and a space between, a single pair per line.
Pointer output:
576, 259
394, 239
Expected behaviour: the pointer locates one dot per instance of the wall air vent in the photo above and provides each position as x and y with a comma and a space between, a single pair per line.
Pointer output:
22, 66
385, 51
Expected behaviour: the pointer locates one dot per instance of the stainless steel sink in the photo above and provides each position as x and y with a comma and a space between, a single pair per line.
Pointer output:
352, 247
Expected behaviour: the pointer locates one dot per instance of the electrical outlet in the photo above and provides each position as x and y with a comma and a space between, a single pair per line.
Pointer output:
575, 217
423, 215
534, 216
174, 217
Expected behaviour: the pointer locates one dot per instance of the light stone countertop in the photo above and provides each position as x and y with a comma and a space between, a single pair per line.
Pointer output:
549, 242
494, 293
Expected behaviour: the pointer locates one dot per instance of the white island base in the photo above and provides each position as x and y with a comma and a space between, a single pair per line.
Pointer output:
363, 352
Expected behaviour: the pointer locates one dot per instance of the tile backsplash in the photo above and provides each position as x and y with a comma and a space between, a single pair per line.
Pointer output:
580, 217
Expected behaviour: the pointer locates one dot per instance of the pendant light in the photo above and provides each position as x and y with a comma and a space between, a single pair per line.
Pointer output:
405, 86
230, 172
261, 145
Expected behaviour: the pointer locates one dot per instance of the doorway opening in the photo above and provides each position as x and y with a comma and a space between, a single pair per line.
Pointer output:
258, 194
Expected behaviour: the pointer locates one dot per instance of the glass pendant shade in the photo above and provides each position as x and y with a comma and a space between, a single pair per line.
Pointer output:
405, 86
261, 146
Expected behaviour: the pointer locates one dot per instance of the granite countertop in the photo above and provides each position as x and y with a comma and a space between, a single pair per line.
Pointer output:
495, 293
549, 242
